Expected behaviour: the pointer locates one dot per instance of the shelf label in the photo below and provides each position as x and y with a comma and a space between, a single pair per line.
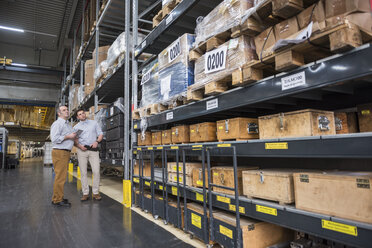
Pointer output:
267, 210
174, 191
169, 116
139, 149
233, 208
150, 148
113, 161
148, 183
159, 148
135, 126
223, 199
136, 180
196, 220
365, 112
161, 187
215, 60
146, 77
338, 227
224, 145
200, 183
293, 81
276, 146
226, 231
169, 18
174, 51
212, 104
197, 146
134, 152
199, 197
174, 147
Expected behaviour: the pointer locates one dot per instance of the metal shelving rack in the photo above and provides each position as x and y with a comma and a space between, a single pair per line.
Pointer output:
4, 145
338, 82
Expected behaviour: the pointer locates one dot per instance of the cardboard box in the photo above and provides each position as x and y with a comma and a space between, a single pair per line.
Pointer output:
264, 42
342, 194
181, 134
317, 14
166, 137
300, 123
365, 117
286, 8
89, 76
102, 54
339, 7
156, 138
286, 28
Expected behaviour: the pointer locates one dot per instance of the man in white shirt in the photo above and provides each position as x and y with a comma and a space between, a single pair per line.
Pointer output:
62, 136
87, 142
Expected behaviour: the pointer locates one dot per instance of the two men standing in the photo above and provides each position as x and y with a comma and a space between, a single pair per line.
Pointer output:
63, 138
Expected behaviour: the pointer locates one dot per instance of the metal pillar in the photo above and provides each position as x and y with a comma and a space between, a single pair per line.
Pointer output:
126, 91
96, 62
134, 66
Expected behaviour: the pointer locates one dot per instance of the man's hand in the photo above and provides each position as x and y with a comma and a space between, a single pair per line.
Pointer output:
70, 136
94, 145
83, 148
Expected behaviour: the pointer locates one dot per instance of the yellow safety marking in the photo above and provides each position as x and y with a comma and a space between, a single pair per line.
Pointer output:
215, 174
276, 146
339, 227
127, 193
223, 199
147, 183
174, 190
226, 231
224, 145
78, 173
233, 208
134, 152
159, 148
135, 179
199, 197
139, 149
196, 220
71, 168
174, 147
267, 210
150, 148
199, 183
161, 187
135, 126
220, 127
366, 112
197, 146
192, 130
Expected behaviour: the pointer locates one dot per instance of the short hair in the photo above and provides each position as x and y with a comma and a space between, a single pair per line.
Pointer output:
59, 108
79, 110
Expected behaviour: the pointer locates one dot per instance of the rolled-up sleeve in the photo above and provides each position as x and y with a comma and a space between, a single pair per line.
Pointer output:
56, 133
98, 130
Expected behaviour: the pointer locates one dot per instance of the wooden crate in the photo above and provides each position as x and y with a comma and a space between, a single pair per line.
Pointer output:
255, 233
365, 117
300, 123
224, 176
181, 134
172, 167
197, 177
286, 8
346, 123
342, 194
166, 137
237, 129
146, 168
173, 204
144, 141
156, 138
172, 177
274, 185
203, 132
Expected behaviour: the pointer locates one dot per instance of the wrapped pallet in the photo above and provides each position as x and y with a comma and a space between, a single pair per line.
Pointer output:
176, 72
221, 62
150, 84
88, 77
225, 16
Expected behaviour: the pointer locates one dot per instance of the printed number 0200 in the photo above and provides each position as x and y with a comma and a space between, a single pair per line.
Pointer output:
215, 61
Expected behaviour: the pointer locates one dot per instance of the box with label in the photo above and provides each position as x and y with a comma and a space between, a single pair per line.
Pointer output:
346, 123
172, 167
221, 62
224, 176
338, 7
150, 84
144, 139
255, 233
274, 185
203, 132
166, 137
88, 79
156, 138
307, 122
315, 12
146, 168
365, 117
342, 194
102, 54
225, 16
286, 28
172, 177
197, 177
177, 52
181, 134
237, 129
286, 8
264, 42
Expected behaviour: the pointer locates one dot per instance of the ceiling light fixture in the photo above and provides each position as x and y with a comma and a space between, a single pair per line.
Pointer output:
12, 29
20, 65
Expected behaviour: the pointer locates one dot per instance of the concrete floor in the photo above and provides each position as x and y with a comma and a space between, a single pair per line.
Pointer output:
27, 218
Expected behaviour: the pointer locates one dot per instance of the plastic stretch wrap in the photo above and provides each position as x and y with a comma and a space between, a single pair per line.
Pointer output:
119, 103
225, 16
101, 117
81, 94
176, 52
73, 96
174, 81
165, 2
150, 84
100, 70
239, 52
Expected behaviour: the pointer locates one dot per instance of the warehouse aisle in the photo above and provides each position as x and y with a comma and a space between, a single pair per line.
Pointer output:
27, 218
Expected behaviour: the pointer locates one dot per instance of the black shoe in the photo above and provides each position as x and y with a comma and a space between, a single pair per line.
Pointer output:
62, 204
65, 200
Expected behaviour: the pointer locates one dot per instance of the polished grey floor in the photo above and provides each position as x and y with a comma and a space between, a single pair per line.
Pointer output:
27, 218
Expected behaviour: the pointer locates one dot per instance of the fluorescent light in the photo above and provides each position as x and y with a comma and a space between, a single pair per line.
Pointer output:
21, 65
12, 29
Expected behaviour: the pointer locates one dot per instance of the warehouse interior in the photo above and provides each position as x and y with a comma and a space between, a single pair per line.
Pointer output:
186, 123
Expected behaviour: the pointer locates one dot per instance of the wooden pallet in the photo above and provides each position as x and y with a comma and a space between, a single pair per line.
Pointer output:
164, 12
199, 92
277, 202
321, 45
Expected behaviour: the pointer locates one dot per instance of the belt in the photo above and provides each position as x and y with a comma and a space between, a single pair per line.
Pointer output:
62, 150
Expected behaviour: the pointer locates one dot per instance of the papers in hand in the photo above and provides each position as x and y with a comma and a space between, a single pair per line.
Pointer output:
78, 132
